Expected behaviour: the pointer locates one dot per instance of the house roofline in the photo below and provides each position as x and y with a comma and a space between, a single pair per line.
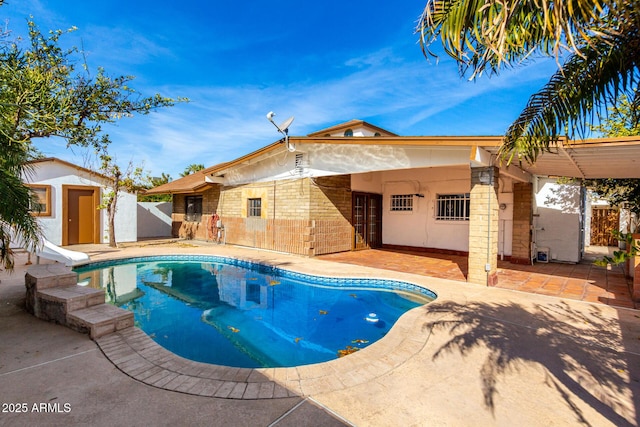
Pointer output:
349, 124
72, 165
433, 141
591, 142
425, 141
247, 157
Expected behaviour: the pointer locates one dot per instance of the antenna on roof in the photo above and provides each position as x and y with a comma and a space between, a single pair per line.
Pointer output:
283, 129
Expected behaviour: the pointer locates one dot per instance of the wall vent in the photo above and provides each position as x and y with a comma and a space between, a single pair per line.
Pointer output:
300, 163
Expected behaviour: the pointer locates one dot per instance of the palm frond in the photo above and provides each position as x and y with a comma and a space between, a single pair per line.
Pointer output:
488, 35
585, 84
16, 222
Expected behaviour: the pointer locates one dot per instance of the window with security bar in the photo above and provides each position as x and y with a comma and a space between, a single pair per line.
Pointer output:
402, 202
453, 207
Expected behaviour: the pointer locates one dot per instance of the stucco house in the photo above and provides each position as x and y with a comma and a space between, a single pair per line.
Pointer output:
69, 196
355, 186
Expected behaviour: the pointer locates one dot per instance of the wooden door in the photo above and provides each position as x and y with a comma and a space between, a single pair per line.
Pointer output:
80, 217
367, 220
603, 222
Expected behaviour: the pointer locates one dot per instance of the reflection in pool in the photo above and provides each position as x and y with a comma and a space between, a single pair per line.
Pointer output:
235, 313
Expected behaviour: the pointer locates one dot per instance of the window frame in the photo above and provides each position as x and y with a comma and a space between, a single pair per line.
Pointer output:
254, 211
194, 216
47, 211
461, 208
401, 203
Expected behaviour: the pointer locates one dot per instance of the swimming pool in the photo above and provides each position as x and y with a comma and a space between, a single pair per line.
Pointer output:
241, 314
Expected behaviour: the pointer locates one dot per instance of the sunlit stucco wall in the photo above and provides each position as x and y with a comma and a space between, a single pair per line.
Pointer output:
419, 227
56, 175
556, 219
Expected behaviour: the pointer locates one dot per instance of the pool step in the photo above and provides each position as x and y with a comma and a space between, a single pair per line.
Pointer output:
55, 303
53, 295
100, 320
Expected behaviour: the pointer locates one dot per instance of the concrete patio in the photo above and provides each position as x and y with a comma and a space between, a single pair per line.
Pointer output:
475, 356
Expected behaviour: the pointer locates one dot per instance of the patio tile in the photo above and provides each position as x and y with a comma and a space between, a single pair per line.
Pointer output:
583, 281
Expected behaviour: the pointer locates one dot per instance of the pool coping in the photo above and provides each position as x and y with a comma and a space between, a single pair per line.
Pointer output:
137, 355
134, 353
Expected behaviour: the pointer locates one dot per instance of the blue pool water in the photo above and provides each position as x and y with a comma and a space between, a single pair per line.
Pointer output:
236, 313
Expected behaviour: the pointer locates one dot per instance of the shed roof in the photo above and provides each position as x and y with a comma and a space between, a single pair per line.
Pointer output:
45, 160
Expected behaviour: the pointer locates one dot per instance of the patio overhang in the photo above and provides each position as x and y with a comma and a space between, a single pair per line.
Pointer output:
589, 159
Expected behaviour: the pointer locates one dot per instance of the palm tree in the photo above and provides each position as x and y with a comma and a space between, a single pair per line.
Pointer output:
192, 168
15, 210
600, 40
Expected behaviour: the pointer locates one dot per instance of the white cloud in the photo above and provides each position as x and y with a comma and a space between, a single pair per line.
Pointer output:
223, 123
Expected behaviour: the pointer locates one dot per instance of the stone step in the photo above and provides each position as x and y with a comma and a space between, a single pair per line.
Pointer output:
44, 276
55, 303
100, 320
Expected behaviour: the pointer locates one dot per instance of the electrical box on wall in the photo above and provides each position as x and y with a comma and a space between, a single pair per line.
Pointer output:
542, 255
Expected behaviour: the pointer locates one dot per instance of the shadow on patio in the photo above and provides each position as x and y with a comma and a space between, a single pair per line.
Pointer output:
584, 355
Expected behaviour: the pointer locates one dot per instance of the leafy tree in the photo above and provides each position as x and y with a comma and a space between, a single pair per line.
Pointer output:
598, 38
155, 182
192, 169
620, 120
46, 94
129, 179
619, 192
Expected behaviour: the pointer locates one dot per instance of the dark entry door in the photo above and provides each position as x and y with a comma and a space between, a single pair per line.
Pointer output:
367, 220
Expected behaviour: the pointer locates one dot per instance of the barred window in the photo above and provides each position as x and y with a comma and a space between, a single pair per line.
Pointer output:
402, 202
453, 207
254, 207
193, 208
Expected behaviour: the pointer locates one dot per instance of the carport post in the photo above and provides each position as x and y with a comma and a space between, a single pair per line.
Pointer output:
483, 226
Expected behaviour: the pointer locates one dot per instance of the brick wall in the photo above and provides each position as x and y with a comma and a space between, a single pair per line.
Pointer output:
483, 226
330, 207
230, 198
291, 199
330, 197
291, 236
332, 236
210, 199
522, 221
300, 216
194, 229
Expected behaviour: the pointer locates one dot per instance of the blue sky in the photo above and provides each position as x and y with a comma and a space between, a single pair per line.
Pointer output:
322, 62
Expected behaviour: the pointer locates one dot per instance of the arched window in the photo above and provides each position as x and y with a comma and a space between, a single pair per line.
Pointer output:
348, 132
377, 134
